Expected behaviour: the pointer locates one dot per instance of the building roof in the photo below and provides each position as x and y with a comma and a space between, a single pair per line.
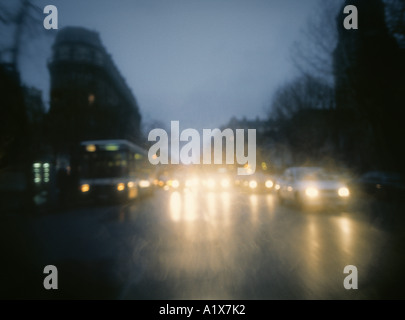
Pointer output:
78, 35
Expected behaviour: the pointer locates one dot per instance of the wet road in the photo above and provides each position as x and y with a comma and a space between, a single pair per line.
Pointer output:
190, 245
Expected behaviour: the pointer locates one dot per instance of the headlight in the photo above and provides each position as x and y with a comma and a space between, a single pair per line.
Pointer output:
192, 182
225, 183
175, 184
253, 184
343, 192
121, 187
210, 183
131, 184
85, 188
269, 184
312, 192
144, 184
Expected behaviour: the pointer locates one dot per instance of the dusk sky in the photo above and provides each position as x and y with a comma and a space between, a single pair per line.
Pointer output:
199, 62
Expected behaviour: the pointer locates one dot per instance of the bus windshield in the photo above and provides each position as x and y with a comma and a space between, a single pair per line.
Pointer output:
104, 164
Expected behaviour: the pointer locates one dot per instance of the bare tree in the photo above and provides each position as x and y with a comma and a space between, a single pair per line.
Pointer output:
24, 19
313, 53
303, 93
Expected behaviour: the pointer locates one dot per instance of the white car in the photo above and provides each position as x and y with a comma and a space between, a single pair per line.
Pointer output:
313, 186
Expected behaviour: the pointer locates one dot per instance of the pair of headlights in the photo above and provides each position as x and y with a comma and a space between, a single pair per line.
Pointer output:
313, 192
268, 184
120, 187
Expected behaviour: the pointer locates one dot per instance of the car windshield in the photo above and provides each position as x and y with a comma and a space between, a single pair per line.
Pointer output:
315, 174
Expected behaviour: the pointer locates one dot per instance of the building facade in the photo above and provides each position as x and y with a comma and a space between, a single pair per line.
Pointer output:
89, 98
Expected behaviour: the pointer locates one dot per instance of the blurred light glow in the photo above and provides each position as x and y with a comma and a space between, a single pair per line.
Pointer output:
190, 206
131, 184
269, 184
90, 148
85, 188
175, 184
253, 184
144, 184
112, 147
311, 192
210, 183
225, 183
121, 187
175, 206
343, 192
277, 186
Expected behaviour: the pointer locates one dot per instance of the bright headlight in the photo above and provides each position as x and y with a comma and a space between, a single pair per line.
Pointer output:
175, 184
192, 182
85, 188
121, 187
343, 192
144, 184
210, 183
225, 183
253, 184
312, 192
269, 184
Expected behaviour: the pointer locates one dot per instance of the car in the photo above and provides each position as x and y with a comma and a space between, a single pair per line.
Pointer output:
218, 179
380, 185
257, 182
313, 187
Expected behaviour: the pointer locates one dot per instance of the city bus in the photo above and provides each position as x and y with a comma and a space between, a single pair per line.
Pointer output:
113, 170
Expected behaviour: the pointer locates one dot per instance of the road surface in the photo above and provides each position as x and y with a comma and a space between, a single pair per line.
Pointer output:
205, 245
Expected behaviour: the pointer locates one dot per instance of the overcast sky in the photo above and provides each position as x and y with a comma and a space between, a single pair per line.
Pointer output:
197, 61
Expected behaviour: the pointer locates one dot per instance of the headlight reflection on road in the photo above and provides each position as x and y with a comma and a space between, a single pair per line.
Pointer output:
270, 203
175, 206
345, 226
313, 245
211, 206
254, 206
190, 206
226, 206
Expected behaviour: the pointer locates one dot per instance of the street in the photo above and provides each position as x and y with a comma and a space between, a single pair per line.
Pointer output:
205, 245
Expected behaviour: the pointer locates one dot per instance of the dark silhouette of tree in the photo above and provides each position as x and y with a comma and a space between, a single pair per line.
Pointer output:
24, 19
312, 55
301, 119
369, 77
302, 93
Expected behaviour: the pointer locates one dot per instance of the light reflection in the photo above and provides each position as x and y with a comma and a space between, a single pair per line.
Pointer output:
270, 203
175, 206
313, 245
226, 206
211, 206
345, 226
190, 206
254, 207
